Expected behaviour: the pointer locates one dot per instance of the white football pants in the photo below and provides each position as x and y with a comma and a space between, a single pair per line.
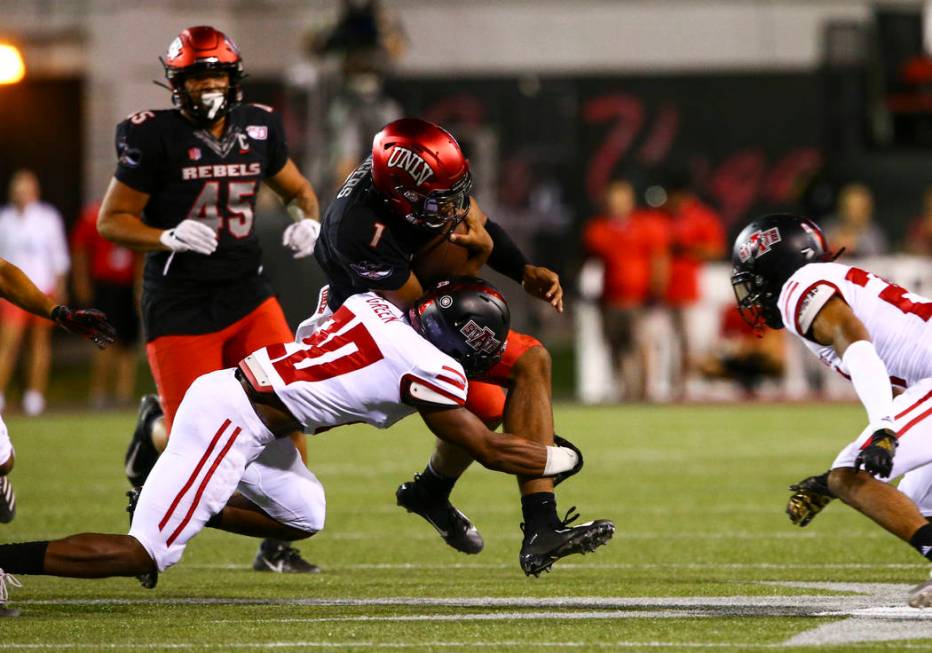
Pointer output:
913, 424
218, 445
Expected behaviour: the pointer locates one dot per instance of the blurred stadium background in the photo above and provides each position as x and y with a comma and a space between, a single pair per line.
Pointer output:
766, 104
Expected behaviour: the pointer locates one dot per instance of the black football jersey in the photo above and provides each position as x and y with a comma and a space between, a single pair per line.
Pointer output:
190, 174
362, 246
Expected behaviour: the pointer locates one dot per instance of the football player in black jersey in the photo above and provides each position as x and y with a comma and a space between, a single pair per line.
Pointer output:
184, 192
414, 188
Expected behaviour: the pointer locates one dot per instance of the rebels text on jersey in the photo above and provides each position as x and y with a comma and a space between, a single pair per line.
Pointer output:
364, 363
362, 245
190, 174
897, 320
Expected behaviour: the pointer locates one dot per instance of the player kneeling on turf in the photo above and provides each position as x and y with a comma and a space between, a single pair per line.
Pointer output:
367, 362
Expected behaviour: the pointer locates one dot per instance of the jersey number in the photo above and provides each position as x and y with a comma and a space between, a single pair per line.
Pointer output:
238, 216
892, 294
318, 362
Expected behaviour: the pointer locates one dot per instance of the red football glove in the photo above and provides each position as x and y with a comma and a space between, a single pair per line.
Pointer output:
90, 323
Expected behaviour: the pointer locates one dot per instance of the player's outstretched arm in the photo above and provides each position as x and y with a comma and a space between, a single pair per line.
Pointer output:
501, 452
837, 325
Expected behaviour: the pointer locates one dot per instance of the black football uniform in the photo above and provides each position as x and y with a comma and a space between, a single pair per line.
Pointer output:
361, 245
190, 174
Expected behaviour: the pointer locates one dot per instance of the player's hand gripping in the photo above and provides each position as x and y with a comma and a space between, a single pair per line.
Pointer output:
543, 283
90, 323
301, 237
810, 496
190, 236
877, 457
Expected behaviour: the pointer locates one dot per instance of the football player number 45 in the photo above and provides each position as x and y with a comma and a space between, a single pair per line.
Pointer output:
237, 216
892, 293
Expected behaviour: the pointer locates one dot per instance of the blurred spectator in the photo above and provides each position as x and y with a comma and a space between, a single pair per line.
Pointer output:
367, 40
32, 237
633, 246
919, 233
743, 355
697, 236
105, 275
852, 225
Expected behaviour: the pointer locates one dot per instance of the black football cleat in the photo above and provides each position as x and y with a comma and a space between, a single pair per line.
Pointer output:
141, 454
282, 558
7, 579
544, 546
151, 578
452, 525
7, 501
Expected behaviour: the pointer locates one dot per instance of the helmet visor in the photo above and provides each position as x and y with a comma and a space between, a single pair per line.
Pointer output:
441, 207
748, 299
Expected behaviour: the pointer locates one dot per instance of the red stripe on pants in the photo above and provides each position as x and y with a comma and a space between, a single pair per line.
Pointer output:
203, 486
197, 470
928, 394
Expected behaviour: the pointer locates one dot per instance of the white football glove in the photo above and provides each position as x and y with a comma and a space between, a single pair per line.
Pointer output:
301, 237
190, 236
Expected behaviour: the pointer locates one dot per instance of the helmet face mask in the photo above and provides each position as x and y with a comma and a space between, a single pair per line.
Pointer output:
421, 172
198, 55
465, 318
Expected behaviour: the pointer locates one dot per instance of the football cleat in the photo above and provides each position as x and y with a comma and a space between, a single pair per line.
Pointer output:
282, 558
151, 578
11, 580
544, 546
7, 501
921, 595
452, 525
141, 454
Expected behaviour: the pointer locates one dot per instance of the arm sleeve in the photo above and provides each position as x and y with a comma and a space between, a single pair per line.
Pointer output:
138, 154
871, 381
505, 257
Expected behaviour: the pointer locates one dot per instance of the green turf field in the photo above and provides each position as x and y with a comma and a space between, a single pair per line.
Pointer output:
703, 558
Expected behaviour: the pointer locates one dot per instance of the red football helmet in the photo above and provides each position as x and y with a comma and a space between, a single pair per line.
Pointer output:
198, 50
420, 169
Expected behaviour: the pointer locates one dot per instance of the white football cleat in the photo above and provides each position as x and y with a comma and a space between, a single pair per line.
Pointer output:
921, 595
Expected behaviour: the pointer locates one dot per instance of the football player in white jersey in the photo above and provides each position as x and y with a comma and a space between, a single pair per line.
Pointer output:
228, 466
873, 332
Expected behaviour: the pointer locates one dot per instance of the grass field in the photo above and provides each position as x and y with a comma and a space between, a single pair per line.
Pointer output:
703, 558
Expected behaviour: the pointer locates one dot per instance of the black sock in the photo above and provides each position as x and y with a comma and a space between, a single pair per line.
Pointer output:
539, 510
922, 541
435, 486
23, 558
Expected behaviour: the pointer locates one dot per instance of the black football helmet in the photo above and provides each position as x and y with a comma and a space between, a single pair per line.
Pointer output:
767, 253
199, 50
466, 318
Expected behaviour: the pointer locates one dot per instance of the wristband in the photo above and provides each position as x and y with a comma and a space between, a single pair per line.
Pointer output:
560, 459
505, 257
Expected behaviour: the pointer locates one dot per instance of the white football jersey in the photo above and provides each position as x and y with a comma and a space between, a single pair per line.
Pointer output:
896, 319
363, 363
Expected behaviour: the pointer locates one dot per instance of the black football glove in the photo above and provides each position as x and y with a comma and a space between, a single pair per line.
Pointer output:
562, 476
90, 323
877, 457
810, 495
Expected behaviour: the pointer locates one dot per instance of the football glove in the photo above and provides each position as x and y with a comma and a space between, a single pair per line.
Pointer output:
190, 236
562, 476
89, 323
810, 496
301, 237
877, 457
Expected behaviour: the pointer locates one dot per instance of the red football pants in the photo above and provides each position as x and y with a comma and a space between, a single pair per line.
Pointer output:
176, 361
486, 397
